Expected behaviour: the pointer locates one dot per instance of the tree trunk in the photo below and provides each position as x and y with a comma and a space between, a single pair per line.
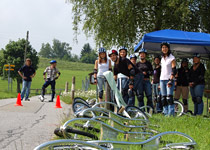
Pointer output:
158, 15
18, 85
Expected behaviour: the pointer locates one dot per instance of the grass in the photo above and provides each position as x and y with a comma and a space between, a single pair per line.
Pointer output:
67, 69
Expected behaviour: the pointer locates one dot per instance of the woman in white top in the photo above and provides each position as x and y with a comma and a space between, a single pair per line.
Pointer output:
102, 64
168, 72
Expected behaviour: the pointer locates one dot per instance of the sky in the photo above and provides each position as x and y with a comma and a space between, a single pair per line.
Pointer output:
44, 19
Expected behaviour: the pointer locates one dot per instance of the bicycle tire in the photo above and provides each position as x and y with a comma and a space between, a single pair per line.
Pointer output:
181, 107
88, 128
78, 106
74, 131
58, 132
128, 109
79, 99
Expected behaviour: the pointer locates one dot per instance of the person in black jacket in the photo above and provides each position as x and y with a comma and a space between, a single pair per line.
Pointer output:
146, 67
197, 84
27, 72
156, 84
182, 83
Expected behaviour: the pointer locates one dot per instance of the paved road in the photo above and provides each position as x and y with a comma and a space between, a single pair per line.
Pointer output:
23, 128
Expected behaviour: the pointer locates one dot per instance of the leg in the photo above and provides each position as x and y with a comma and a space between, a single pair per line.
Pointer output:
100, 88
199, 89
131, 100
125, 88
45, 85
171, 106
148, 92
178, 93
192, 91
163, 84
185, 94
23, 89
138, 87
28, 89
53, 89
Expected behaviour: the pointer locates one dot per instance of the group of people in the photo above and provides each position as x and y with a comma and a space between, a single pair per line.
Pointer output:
27, 72
158, 84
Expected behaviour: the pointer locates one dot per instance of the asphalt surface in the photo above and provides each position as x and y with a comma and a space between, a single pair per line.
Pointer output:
25, 127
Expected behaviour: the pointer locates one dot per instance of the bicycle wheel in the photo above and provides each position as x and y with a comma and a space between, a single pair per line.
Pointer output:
58, 132
179, 108
79, 99
78, 106
135, 112
83, 133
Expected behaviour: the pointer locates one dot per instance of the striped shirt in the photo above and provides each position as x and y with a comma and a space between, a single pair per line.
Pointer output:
51, 72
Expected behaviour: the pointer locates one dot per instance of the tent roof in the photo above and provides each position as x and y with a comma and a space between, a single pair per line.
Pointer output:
182, 43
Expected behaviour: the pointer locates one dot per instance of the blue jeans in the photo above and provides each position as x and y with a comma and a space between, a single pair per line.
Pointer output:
124, 88
146, 86
197, 94
25, 89
46, 84
101, 84
137, 88
157, 97
167, 97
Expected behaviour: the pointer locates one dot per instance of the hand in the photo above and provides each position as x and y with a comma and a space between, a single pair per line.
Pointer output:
169, 84
25, 78
95, 81
144, 73
32, 76
56, 78
45, 79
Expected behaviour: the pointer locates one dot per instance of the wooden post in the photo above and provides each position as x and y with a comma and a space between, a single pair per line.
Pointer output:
67, 87
73, 88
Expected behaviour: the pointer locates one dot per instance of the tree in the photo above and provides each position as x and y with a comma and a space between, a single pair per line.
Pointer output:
46, 50
57, 50
86, 50
14, 54
89, 57
118, 22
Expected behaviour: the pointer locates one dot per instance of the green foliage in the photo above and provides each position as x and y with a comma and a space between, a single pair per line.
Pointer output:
118, 22
88, 55
61, 50
14, 54
86, 49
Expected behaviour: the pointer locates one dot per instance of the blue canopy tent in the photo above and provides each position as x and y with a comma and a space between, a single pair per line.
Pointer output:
182, 43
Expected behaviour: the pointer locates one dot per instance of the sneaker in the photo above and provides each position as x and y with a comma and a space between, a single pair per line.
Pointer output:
27, 99
41, 98
50, 101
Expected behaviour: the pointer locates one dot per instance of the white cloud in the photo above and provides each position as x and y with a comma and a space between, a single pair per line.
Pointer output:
45, 20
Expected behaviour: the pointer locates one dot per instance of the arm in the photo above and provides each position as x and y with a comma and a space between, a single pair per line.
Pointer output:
110, 65
21, 75
95, 70
174, 71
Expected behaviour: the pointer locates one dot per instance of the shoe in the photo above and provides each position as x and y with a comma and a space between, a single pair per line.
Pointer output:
27, 99
50, 101
41, 98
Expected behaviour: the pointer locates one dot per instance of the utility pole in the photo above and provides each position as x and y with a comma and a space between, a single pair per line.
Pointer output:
26, 46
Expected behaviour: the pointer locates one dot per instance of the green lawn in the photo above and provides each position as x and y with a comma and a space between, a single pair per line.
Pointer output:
67, 69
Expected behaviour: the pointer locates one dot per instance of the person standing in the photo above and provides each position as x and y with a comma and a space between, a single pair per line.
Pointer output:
197, 84
27, 72
102, 64
167, 75
182, 83
125, 73
156, 84
146, 67
52, 74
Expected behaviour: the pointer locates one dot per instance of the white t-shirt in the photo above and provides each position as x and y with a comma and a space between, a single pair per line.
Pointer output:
166, 67
103, 67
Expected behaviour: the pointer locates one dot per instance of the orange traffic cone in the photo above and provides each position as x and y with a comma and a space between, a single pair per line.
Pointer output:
18, 103
58, 103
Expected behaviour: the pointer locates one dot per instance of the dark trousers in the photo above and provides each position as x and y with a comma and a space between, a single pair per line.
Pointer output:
46, 84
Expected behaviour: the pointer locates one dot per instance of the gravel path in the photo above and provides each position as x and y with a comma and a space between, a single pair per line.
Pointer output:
24, 128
